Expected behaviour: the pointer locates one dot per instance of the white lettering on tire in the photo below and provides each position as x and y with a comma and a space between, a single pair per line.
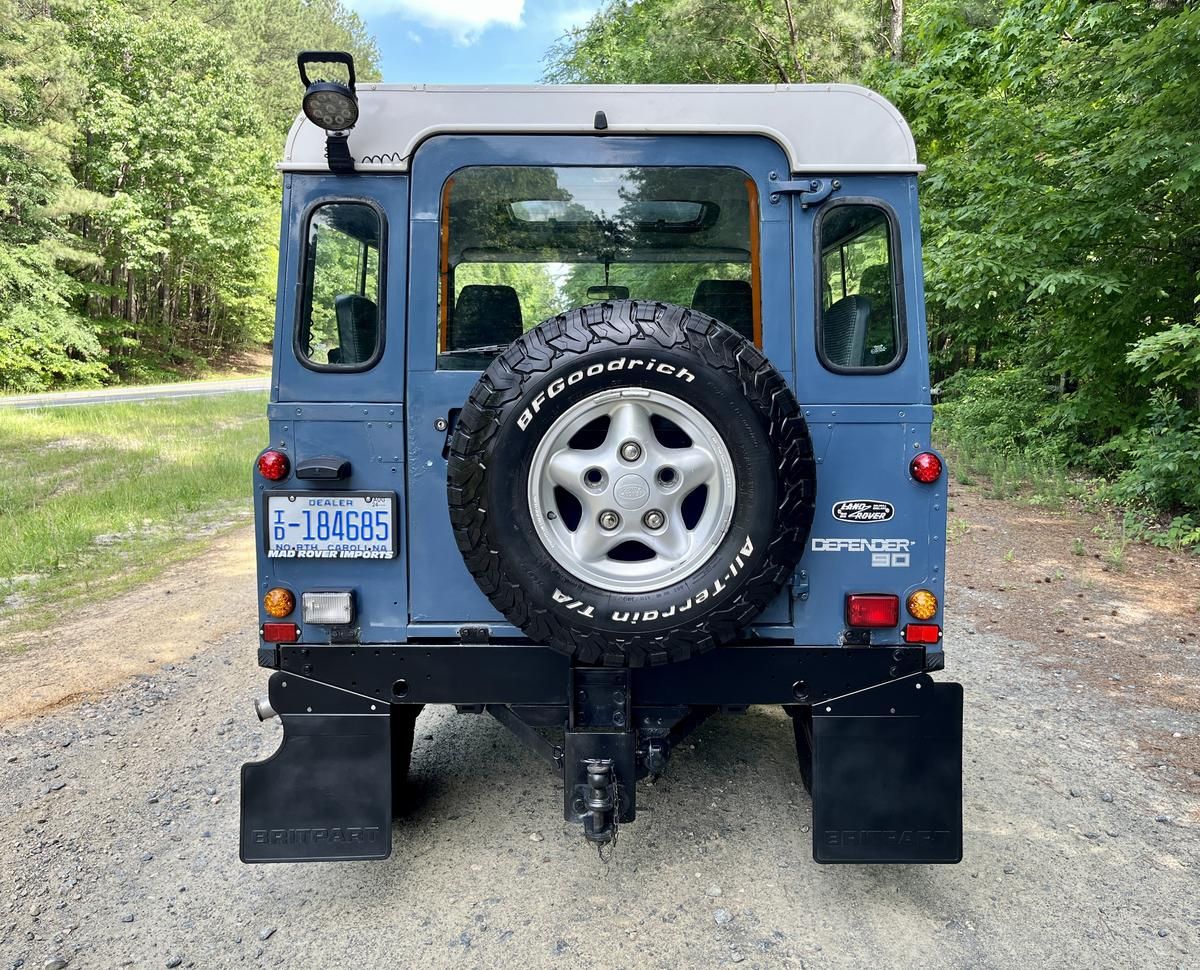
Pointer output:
593, 370
714, 589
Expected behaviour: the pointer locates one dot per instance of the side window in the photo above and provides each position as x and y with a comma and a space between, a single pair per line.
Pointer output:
860, 319
339, 313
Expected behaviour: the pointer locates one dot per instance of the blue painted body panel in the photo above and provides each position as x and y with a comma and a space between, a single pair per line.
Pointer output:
866, 428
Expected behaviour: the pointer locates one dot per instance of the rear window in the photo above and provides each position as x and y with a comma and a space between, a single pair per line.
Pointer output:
859, 323
339, 326
523, 243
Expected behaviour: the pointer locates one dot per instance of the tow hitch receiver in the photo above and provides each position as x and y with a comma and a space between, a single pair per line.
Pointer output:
326, 793
887, 774
600, 754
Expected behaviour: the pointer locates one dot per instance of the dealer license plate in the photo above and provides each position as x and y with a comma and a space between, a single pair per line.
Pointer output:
331, 525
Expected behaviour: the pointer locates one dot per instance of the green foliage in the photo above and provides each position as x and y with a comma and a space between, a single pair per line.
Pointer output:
138, 205
999, 411
1060, 212
1171, 356
720, 41
1164, 459
43, 340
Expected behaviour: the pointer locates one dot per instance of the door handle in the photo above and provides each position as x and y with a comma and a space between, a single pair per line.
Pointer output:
324, 468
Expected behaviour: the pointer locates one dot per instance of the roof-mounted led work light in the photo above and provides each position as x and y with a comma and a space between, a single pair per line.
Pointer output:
332, 105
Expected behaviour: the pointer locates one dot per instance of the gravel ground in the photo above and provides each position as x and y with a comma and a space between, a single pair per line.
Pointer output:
118, 838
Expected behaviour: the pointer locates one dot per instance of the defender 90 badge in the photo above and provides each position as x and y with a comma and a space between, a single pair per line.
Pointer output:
863, 510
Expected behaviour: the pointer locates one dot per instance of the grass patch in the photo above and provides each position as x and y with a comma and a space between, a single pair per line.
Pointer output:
94, 499
1014, 477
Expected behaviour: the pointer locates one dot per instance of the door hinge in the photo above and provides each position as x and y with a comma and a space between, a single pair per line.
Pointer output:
800, 584
811, 191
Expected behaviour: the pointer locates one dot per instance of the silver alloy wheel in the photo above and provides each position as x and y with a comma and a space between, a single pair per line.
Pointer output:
606, 483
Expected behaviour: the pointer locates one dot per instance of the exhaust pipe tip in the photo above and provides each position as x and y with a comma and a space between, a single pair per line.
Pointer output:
264, 710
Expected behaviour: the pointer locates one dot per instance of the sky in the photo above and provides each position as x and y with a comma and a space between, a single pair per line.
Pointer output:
468, 41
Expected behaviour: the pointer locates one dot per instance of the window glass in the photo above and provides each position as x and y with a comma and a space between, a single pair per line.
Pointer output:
339, 321
859, 320
522, 243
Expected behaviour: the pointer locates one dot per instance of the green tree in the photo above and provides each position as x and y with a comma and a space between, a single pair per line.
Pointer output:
720, 41
1061, 204
43, 339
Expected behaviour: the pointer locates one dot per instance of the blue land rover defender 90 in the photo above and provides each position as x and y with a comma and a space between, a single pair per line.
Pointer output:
600, 410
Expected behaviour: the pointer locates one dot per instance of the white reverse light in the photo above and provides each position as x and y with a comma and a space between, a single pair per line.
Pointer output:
327, 607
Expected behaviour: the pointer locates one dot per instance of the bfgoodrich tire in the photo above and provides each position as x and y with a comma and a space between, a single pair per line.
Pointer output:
631, 483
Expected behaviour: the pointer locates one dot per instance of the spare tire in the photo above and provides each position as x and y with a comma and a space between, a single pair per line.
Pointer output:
631, 483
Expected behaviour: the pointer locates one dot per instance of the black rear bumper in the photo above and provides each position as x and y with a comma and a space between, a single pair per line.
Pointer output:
523, 674
885, 741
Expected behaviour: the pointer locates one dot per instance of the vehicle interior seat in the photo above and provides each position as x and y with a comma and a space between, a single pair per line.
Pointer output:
485, 315
844, 331
730, 301
358, 329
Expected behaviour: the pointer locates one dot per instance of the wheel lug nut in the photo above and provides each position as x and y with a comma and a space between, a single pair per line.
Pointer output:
654, 519
631, 451
609, 520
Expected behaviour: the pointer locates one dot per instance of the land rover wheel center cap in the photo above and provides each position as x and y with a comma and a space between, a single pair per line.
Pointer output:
631, 492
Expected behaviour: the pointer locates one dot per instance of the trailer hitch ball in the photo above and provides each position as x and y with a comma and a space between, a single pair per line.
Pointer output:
264, 710
600, 803
600, 798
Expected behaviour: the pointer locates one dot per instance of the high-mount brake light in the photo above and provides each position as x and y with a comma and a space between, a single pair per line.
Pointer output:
922, 605
872, 610
274, 465
280, 632
279, 602
926, 468
922, 633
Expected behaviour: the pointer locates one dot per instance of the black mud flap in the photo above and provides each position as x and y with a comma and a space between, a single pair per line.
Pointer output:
326, 794
887, 774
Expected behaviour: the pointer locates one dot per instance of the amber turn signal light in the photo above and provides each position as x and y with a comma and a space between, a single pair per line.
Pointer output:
922, 605
279, 601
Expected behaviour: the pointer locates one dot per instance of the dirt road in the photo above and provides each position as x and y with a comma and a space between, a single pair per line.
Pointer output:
118, 813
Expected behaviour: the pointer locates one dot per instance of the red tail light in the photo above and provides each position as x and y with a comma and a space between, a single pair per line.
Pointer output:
872, 610
922, 633
273, 465
926, 468
280, 632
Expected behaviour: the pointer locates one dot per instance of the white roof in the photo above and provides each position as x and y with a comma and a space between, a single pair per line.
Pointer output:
835, 128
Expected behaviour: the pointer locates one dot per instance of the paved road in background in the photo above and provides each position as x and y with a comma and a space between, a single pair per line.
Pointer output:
149, 392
